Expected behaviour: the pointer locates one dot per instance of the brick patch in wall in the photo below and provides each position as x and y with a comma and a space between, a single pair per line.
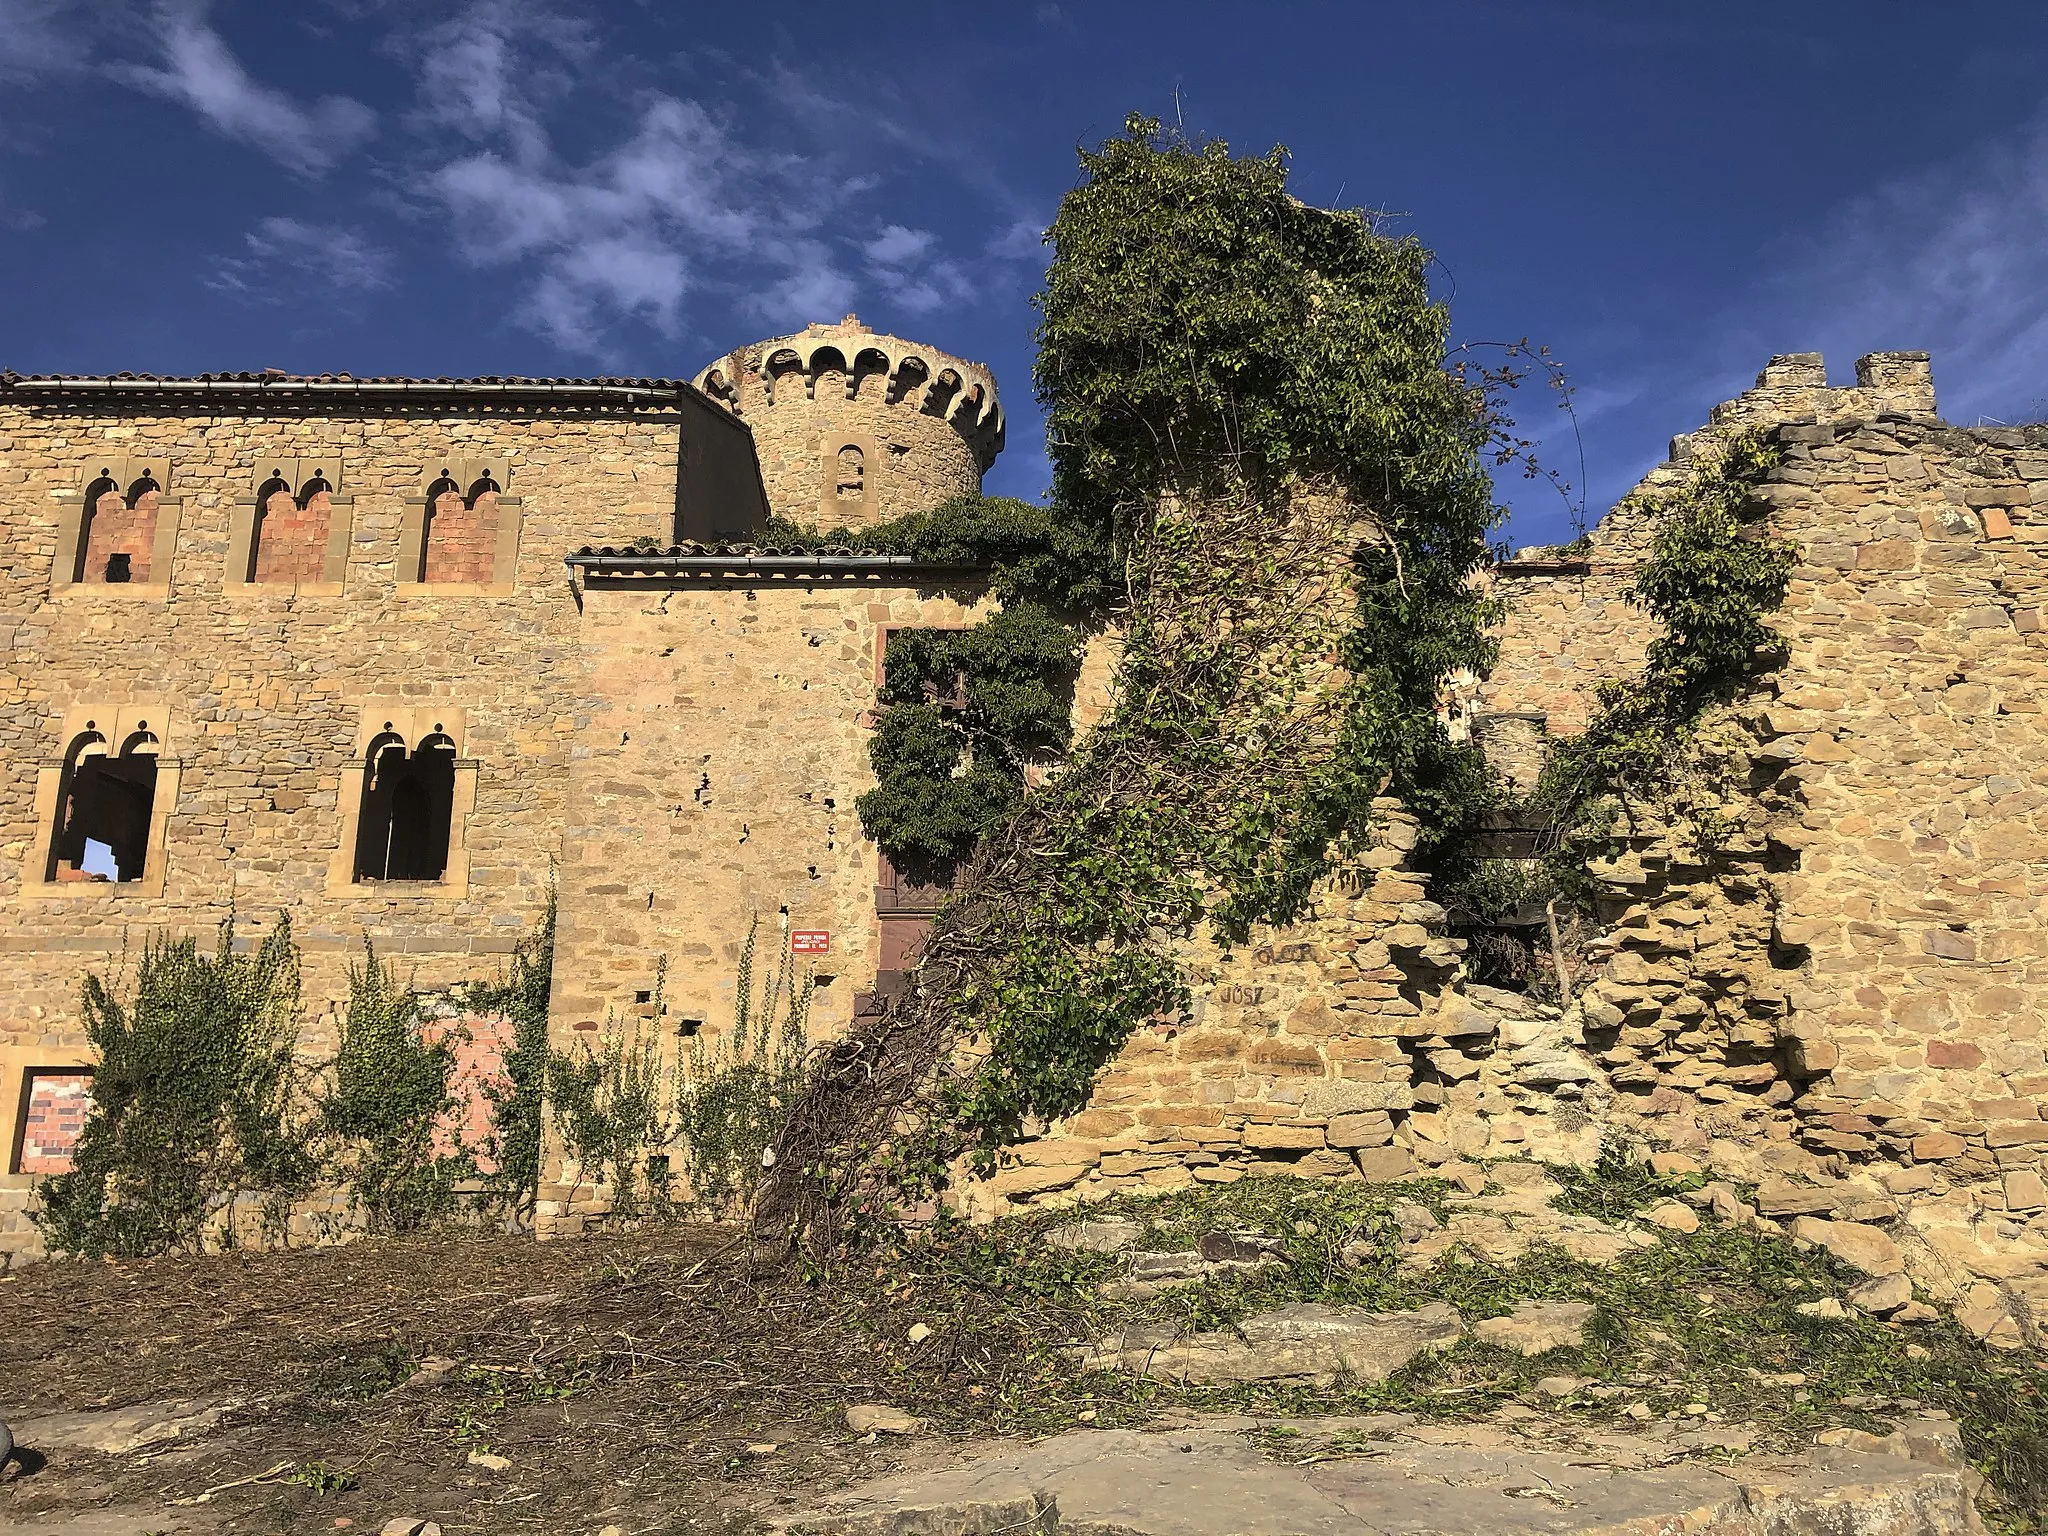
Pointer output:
291, 540
462, 540
119, 529
481, 1042
52, 1119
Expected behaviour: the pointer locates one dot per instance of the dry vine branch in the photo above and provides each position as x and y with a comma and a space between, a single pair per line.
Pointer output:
1239, 605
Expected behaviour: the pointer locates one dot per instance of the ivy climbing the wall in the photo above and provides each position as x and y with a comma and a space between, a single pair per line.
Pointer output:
197, 1097
1270, 487
1714, 572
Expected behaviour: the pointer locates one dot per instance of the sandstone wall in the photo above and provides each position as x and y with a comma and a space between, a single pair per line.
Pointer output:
262, 692
721, 742
1569, 625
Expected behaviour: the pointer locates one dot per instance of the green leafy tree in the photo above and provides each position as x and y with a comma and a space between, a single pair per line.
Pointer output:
196, 1097
1271, 481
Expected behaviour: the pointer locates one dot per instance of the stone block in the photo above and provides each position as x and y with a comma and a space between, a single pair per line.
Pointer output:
1779, 1198
1260, 1137
1938, 1146
2025, 1191
1860, 1247
1386, 1165
1370, 1129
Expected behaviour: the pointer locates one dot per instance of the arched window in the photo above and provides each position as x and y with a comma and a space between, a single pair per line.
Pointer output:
104, 804
289, 539
274, 506
117, 529
407, 810
460, 543
851, 481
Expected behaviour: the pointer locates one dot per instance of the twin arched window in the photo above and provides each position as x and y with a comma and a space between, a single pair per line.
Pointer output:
407, 810
104, 804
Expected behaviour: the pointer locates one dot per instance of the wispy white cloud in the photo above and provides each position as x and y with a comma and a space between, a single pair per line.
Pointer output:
283, 260
200, 71
39, 38
680, 206
1952, 260
908, 267
1019, 240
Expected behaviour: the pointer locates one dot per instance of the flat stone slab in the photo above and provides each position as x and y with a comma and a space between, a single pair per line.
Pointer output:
1449, 1480
1536, 1327
119, 1431
1305, 1341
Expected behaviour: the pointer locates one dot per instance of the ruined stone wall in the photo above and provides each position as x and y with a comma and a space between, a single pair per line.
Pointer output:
1825, 964
854, 428
1819, 971
1569, 624
722, 741
262, 692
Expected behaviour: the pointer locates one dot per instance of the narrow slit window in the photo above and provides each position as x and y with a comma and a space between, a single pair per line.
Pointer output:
104, 809
408, 810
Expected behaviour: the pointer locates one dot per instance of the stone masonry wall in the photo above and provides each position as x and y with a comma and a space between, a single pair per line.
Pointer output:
1838, 984
1569, 625
722, 739
1820, 976
924, 424
265, 690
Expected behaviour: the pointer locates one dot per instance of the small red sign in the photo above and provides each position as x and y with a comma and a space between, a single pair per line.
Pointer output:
810, 941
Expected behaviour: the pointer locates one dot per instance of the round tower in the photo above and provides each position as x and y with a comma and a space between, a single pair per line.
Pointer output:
853, 428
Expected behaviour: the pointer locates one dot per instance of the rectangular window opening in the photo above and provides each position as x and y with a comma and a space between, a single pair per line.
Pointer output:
54, 1102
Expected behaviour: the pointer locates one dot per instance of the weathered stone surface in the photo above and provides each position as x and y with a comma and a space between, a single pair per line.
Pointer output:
1860, 1247
1096, 1235
1779, 1198
432, 1372
1535, 1327
880, 1418
1386, 1165
1477, 1480
1370, 1129
1884, 1295
1672, 1216
120, 1431
1304, 1341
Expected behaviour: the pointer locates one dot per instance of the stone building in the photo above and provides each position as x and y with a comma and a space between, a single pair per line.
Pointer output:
393, 656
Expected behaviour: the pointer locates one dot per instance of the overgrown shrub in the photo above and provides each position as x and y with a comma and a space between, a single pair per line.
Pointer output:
614, 1107
518, 1096
734, 1095
1713, 574
196, 1097
388, 1097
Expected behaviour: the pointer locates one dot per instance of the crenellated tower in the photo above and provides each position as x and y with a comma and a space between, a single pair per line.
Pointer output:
853, 427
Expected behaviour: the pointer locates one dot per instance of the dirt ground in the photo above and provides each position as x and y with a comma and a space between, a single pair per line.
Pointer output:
640, 1381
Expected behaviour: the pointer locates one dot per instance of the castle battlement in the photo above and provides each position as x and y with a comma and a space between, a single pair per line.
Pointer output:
909, 425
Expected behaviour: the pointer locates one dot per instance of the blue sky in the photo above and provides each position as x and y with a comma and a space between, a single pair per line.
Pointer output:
1663, 194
